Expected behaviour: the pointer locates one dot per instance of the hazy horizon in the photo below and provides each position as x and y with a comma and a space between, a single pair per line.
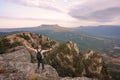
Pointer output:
66, 13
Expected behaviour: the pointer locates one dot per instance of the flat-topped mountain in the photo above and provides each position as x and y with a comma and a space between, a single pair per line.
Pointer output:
55, 28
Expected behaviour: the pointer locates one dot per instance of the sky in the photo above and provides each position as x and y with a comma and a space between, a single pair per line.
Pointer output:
66, 13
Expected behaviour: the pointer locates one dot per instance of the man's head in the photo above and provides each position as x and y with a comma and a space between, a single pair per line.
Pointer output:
39, 46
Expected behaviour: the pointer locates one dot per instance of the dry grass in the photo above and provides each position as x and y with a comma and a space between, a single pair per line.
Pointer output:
32, 76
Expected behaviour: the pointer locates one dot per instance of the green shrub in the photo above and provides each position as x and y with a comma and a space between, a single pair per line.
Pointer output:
4, 45
15, 44
33, 58
26, 37
33, 45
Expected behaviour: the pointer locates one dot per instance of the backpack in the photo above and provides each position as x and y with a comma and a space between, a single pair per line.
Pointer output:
39, 56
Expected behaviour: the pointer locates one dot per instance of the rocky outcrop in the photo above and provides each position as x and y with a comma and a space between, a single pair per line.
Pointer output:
95, 59
17, 66
72, 45
25, 71
17, 54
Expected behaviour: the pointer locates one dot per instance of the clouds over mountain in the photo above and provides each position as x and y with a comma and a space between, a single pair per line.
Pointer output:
96, 10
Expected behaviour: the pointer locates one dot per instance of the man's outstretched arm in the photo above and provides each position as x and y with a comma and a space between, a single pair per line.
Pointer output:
29, 47
47, 50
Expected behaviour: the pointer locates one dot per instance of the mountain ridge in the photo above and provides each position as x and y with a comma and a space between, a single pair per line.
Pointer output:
54, 27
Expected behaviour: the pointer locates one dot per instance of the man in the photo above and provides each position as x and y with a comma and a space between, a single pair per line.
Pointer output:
41, 52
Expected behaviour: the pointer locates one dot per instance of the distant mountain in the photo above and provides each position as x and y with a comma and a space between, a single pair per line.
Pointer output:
55, 28
2, 34
110, 31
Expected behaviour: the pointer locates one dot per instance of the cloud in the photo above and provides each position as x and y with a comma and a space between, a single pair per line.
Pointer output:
108, 14
45, 4
19, 18
36, 19
96, 10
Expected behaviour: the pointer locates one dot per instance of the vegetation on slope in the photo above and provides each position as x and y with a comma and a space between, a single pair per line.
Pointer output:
5, 45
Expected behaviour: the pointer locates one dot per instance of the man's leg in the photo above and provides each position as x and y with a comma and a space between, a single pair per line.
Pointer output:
38, 64
42, 61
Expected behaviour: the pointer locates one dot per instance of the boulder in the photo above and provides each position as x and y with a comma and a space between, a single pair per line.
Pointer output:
18, 54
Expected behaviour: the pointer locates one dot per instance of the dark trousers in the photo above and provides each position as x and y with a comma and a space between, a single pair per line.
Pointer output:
40, 61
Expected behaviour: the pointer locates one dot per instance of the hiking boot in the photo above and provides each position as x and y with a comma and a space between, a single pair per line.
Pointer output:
37, 71
43, 70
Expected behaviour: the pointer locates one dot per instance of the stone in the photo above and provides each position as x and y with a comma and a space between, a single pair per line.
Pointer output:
20, 54
77, 78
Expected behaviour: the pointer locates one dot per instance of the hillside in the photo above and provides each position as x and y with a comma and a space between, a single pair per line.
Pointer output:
65, 58
69, 61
